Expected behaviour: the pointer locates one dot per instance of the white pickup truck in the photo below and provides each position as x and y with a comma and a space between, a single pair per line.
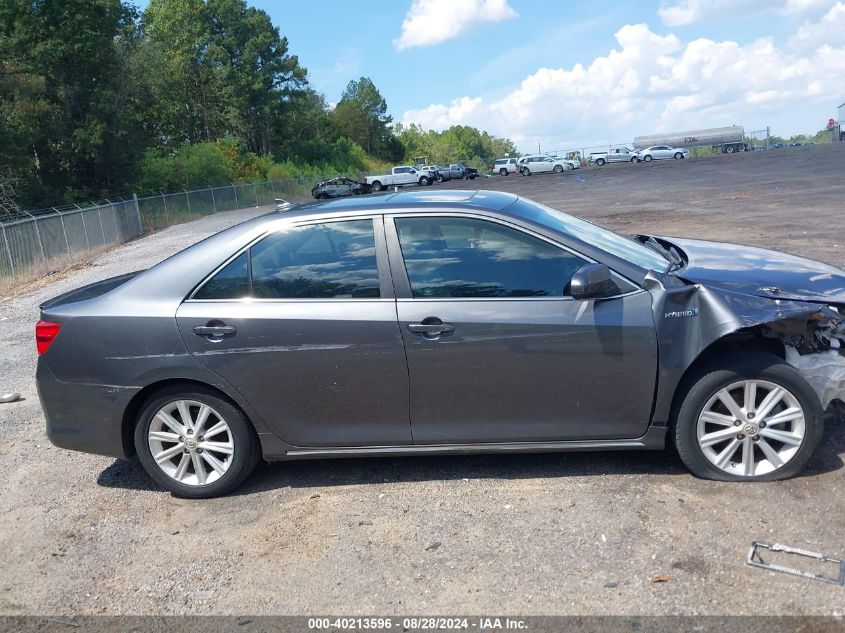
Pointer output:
399, 176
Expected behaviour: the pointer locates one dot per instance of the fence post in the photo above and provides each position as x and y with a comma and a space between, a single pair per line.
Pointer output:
213, 199
8, 250
84, 228
255, 191
188, 200
64, 230
138, 213
100, 215
166, 215
38, 234
235, 189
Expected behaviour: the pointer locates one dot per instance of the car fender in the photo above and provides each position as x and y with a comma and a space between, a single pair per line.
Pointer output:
690, 317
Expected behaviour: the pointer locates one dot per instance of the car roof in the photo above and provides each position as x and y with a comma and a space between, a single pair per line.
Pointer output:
396, 202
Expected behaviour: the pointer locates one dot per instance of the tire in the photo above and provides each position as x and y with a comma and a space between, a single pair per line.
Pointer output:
767, 372
558, 169
635, 159
569, 167
377, 186
526, 171
647, 158
729, 149
600, 162
239, 435
503, 172
678, 155
424, 181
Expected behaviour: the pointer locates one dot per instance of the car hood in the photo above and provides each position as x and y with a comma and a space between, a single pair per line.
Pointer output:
758, 271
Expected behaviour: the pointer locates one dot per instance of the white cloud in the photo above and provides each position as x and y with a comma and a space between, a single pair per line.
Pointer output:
686, 12
433, 21
653, 82
829, 30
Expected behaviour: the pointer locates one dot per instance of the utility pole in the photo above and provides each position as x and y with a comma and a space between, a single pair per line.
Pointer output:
538, 147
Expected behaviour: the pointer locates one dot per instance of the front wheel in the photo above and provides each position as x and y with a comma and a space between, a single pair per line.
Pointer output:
526, 171
600, 162
194, 443
503, 172
678, 156
647, 158
424, 181
635, 160
558, 169
757, 421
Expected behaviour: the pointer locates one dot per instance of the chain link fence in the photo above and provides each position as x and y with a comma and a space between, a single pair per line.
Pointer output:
39, 242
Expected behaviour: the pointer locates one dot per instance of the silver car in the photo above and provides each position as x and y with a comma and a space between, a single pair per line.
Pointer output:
661, 152
442, 322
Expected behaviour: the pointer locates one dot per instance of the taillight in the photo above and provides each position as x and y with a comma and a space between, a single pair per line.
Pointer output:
45, 333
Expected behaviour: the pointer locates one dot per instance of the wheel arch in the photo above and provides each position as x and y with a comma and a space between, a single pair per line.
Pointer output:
133, 408
743, 341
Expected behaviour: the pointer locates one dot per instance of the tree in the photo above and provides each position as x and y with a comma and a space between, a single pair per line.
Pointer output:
59, 92
361, 115
226, 71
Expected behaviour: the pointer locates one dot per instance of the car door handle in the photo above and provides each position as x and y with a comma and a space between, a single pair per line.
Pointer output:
215, 330
431, 328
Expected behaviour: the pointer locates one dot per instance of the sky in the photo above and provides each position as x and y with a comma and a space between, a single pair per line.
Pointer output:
579, 74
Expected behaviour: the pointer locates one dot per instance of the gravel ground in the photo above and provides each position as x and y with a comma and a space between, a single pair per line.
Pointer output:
519, 534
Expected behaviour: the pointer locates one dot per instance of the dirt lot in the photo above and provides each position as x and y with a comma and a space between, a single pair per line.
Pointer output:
536, 534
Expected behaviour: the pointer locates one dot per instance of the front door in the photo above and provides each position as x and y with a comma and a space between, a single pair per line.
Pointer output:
497, 349
304, 326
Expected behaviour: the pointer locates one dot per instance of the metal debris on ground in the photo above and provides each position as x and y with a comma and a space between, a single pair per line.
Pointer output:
756, 560
9, 397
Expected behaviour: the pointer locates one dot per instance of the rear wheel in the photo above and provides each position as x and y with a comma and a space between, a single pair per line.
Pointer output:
195, 443
647, 158
759, 421
600, 162
729, 149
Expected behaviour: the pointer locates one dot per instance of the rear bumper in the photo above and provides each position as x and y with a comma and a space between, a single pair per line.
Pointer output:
82, 417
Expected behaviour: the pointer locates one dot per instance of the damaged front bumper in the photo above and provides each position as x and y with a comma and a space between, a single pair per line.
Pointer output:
816, 348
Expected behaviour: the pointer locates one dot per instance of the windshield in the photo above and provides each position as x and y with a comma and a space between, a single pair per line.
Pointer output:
608, 241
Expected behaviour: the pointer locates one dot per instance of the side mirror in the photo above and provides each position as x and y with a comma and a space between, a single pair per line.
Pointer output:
591, 280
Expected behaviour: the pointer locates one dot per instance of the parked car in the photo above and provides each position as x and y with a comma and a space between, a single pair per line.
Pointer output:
294, 335
461, 171
339, 187
505, 166
661, 152
614, 155
539, 163
439, 172
400, 176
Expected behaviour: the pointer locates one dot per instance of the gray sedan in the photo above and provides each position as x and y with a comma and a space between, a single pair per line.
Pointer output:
438, 323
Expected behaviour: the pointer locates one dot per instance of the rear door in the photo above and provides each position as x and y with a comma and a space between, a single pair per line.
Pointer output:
303, 324
497, 349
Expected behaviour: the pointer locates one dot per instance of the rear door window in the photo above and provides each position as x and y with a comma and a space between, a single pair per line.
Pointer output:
332, 260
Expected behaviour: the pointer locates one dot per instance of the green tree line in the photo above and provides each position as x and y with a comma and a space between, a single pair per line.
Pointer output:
98, 98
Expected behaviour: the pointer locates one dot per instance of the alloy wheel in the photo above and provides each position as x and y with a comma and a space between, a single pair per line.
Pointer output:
751, 427
191, 443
